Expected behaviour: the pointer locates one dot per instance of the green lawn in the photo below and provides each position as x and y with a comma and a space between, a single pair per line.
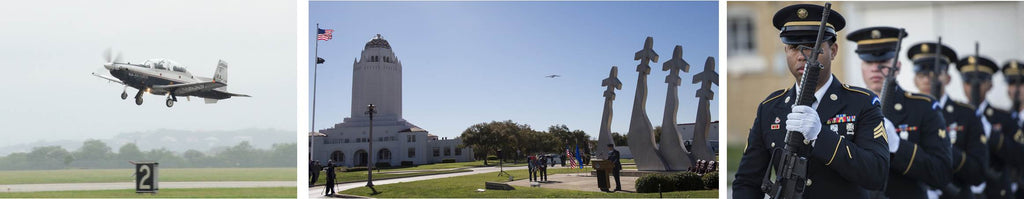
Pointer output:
263, 192
479, 163
456, 167
735, 153
465, 187
166, 175
356, 176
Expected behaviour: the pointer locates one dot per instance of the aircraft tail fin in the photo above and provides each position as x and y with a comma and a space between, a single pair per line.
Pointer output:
221, 75
210, 101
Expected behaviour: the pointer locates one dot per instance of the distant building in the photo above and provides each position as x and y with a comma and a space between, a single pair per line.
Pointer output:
377, 79
686, 132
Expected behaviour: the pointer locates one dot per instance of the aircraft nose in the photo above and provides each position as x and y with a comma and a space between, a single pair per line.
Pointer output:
109, 66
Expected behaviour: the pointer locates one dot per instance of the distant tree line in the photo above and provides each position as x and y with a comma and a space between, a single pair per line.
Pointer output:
95, 154
518, 140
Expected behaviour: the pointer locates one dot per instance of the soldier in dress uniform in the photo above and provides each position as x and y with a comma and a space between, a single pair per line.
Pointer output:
1013, 71
922, 158
997, 123
1005, 152
969, 154
843, 162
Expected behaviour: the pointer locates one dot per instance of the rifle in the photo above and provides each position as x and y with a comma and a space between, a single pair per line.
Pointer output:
889, 92
950, 188
791, 170
976, 82
937, 90
889, 85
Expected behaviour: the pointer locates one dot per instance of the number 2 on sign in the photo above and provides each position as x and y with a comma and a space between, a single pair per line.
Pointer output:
142, 183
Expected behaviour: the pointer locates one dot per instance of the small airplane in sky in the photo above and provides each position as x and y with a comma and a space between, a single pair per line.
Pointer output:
552, 76
165, 77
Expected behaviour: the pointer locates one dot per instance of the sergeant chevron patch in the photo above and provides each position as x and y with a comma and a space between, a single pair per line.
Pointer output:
880, 131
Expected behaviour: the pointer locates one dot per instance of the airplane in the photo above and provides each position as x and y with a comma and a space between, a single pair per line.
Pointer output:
674, 65
612, 82
165, 77
706, 79
646, 55
552, 76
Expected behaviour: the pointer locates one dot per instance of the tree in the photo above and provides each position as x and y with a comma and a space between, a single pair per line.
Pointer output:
493, 136
94, 154
241, 155
282, 155
194, 157
129, 152
93, 150
48, 157
657, 134
164, 157
619, 139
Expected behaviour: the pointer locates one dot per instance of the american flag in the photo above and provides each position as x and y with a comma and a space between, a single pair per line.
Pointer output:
324, 34
572, 159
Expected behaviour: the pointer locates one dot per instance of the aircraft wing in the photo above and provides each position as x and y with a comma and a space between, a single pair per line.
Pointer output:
231, 94
186, 89
646, 53
706, 75
108, 78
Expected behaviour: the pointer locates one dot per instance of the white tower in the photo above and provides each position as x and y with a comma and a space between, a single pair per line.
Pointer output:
377, 79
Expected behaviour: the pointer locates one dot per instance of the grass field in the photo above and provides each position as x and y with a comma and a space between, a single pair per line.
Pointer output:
264, 192
735, 153
356, 176
465, 187
166, 175
456, 167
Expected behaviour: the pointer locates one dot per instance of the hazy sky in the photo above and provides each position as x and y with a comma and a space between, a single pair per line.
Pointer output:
48, 52
471, 62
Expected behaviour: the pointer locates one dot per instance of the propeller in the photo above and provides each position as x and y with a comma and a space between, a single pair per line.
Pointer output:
108, 55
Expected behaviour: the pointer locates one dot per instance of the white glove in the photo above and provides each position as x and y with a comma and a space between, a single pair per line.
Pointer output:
894, 139
804, 119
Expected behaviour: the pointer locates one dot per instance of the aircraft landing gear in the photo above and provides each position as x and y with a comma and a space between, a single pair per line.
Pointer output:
124, 95
170, 100
138, 98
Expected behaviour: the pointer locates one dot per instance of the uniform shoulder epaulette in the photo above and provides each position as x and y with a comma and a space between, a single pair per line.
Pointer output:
917, 96
965, 105
776, 94
857, 89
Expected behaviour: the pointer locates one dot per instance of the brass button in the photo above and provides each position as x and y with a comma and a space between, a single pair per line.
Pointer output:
808, 182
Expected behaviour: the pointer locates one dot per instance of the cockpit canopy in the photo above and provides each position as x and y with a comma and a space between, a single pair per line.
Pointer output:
164, 64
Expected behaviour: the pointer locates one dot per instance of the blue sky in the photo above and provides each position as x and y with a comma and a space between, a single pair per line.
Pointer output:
470, 62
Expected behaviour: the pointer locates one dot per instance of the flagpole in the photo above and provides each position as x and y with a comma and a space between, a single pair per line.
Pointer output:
312, 120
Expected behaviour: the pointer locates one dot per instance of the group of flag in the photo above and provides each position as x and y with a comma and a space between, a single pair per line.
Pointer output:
574, 159
323, 34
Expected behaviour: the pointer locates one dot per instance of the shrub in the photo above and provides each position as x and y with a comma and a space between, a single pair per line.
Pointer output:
649, 183
382, 165
711, 180
491, 158
354, 169
686, 181
407, 163
449, 160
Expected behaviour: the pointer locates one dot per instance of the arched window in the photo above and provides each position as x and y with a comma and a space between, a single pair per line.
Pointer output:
384, 155
338, 156
360, 158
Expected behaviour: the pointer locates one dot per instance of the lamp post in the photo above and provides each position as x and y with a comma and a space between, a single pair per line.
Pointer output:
371, 109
